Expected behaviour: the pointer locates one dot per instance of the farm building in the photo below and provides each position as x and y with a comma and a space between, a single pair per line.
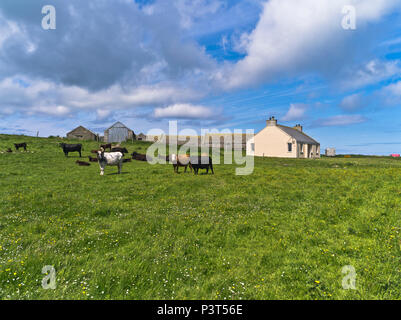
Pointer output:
330, 152
283, 142
118, 132
82, 133
141, 137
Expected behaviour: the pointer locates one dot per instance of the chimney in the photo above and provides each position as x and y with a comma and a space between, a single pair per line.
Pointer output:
298, 127
272, 122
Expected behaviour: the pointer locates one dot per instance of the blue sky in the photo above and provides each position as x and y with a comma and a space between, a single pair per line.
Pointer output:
206, 63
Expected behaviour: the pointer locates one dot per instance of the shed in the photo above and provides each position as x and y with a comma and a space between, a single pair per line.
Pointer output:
81, 133
118, 132
141, 137
330, 152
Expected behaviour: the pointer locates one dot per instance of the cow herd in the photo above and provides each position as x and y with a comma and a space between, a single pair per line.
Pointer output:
116, 154
115, 157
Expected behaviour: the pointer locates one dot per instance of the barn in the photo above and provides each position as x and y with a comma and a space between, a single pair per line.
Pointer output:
283, 142
141, 137
81, 133
118, 132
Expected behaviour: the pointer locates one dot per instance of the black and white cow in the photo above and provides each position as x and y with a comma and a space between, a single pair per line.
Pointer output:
110, 159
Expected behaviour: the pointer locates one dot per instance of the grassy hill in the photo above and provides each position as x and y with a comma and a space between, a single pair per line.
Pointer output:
284, 232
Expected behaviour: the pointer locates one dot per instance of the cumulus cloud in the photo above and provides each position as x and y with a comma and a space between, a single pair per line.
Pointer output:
23, 95
98, 44
186, 111
293, 37
296, 112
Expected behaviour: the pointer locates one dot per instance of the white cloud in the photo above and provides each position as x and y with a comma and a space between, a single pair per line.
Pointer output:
352, 102
293, 37
371, 73
55, 99
102, 115
57, 111
186, 111
393, 89
390, 95
296, 112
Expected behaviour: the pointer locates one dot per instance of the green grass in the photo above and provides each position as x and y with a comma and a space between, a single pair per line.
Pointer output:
284, 232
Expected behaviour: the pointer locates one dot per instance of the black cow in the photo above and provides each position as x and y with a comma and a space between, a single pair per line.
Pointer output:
139, 157
106, 146
82, 163
118, 149
71, 148
20, 145
201, 163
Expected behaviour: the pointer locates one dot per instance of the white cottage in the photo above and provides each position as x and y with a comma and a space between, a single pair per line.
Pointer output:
283, 142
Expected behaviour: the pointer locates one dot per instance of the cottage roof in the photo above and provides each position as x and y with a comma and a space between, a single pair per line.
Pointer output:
298, 135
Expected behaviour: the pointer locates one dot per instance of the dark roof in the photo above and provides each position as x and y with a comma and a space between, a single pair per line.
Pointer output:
298, 135
80, 127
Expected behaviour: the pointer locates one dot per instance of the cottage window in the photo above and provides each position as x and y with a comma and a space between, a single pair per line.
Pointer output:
290, 147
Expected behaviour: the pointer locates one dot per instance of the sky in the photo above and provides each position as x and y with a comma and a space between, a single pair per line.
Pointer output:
331, 65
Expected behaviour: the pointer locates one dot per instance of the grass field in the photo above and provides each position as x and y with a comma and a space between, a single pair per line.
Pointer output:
284, 232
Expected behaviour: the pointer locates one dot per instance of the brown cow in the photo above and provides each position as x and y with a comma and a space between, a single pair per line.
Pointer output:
180, 161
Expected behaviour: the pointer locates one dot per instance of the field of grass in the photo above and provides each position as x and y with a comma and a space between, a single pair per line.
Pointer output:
284, 232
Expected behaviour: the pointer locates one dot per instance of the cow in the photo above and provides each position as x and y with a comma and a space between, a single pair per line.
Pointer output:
109, 159
106, 146
180, 161
127, 160
82, 163
71, 148
92, 159
20, 145
94, 152
139, 157
119, 149
201, 162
